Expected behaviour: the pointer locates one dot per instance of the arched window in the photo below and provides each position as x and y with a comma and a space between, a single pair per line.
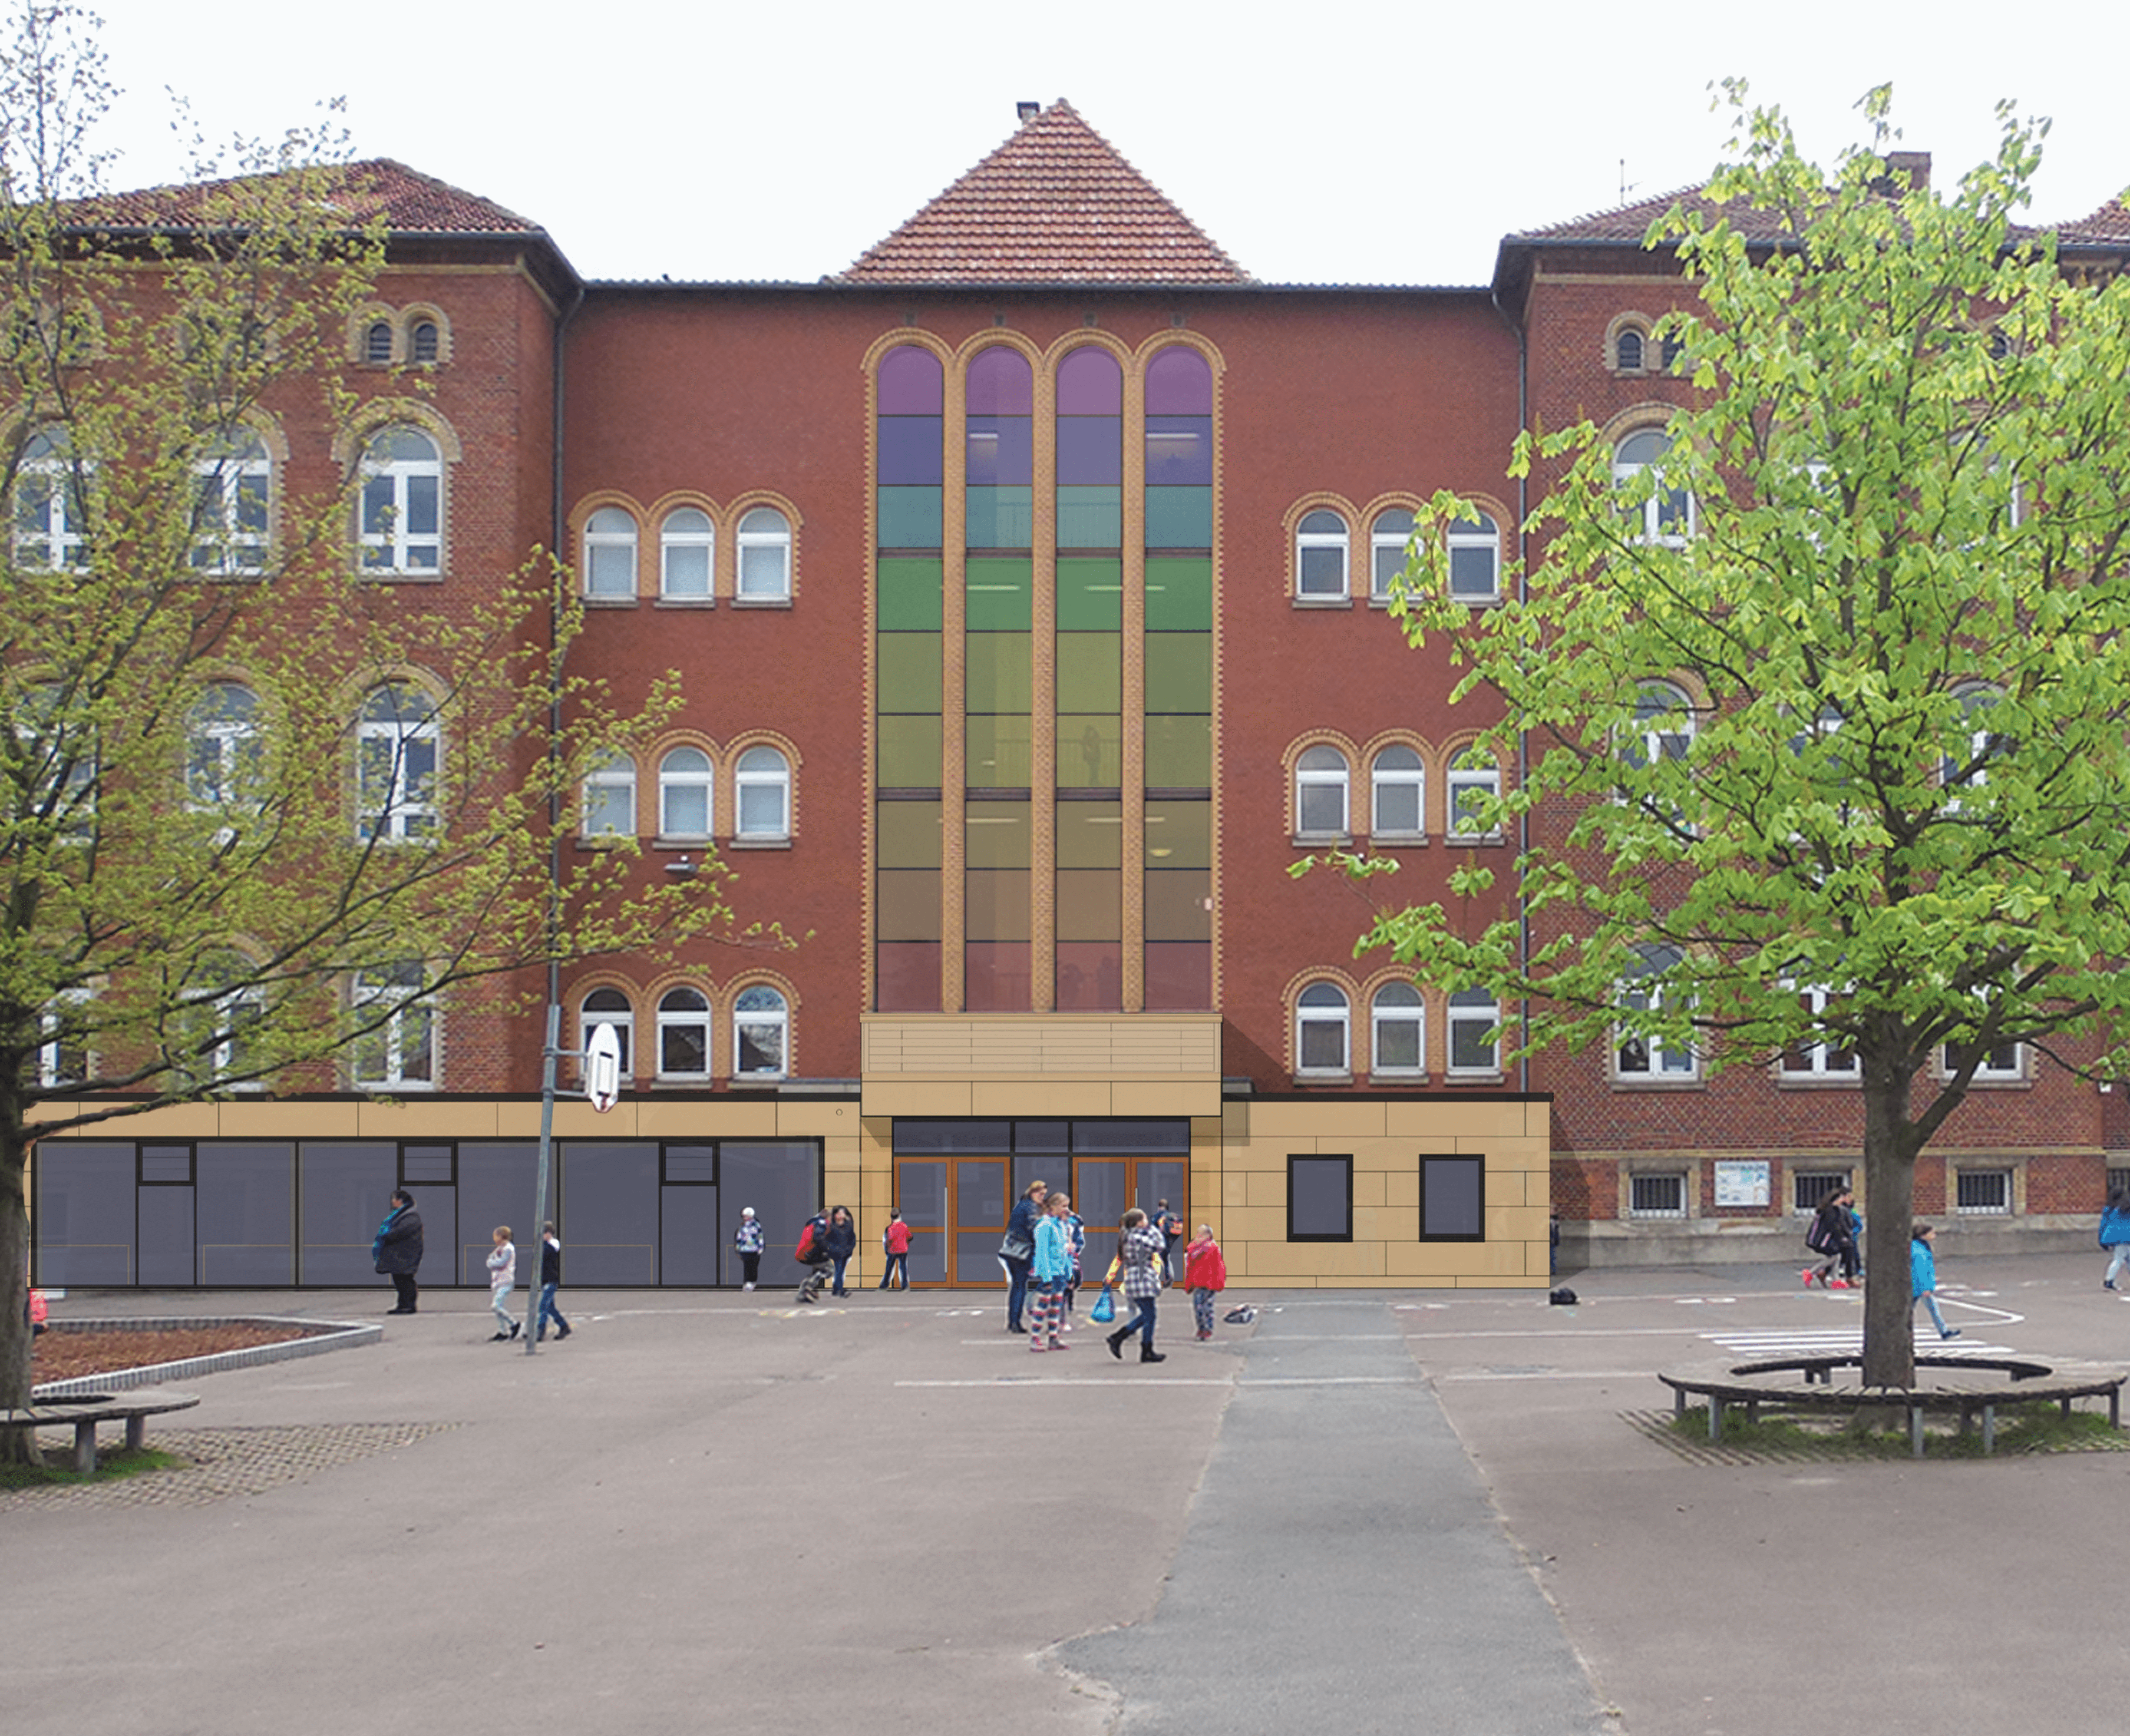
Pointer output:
1398, 793
687, 555
1398, 1030
403, 503
685, 802
221, 747
425, 342
1475, 780
762, 1024
1320, 555
212, 1034
610, 798
1475, 559
1966, 766
608, 1006
1320, 1020
763, 781
610, 554
398, 752
764, 556
51, 507
684, 1035
398, 1046
1664, 725
1473, 1013
1386, 541
1667, 513
232, 494
1641, 1056
1320, 777
1627, 350
377, 343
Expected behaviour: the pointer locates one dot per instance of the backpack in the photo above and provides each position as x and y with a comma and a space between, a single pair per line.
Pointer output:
806, 1241
1820, 1238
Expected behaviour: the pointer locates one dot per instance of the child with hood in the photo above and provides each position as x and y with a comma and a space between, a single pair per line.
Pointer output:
1205, 1275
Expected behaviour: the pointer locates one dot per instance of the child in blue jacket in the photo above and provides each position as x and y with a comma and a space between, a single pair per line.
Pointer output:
1922, 1278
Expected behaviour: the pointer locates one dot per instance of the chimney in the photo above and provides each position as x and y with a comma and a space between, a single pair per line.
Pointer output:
1915, 165
1028, 111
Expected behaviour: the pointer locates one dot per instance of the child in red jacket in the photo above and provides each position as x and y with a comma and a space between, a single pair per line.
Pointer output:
1205, 1275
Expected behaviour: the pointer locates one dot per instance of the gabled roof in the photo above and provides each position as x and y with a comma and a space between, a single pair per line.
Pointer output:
1627, 225
1055, 204
410, 203
2109, 226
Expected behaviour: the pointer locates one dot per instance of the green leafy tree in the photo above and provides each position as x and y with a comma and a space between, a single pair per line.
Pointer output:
1825, 702
260, 817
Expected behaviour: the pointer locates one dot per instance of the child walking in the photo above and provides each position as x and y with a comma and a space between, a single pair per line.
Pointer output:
550, 1280
502, 1274
1205, 1275
1922, 1279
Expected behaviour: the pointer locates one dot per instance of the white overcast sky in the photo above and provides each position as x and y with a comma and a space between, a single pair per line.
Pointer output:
1337, 141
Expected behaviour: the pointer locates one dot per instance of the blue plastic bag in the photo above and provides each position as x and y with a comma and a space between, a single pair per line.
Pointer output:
1105, 1309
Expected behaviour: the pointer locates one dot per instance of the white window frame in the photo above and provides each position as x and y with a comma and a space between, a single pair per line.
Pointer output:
1479, 534
1321, 776
404, 1044
609, 543
1655, 1061
1382, 778
676, 1014
1659, 704
621, 1017
233, 507
763, 531
2005, 1064
228, 1010
672, 780
1472, 771
676, 537
1666, 508
1314, 1007
386, 515
1472, 1010
401, 806
1388, 537
51, 532
757, 769
755, 1018
1315, 536
222, 748
52, 1071
1818, 1060
1977, 698
609, 798
1389, 1009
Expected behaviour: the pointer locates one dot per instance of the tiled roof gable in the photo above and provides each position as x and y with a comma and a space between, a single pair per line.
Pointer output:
1055, 204
409, 202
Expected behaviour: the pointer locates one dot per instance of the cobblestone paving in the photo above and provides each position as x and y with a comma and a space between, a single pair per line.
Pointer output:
1695, 1448
221, 1462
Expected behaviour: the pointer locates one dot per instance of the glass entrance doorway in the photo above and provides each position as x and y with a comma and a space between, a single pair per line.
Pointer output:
956, 1182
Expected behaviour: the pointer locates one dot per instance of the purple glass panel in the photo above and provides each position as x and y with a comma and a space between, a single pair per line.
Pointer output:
1178, 383
1001, 385
910, 450
1179, 976
1090, 449
910, 383
1091, 976
906, 976
1001, 451
1090, 383
1179, 451
994, 976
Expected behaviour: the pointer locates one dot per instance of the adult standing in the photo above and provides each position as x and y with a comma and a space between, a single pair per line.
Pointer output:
397, 1251
550, 1280
843, 1242
1922, 1278
1140, 1250
747, 1241
1017, 1252
1050, 1271
2115, 1233
895, 1248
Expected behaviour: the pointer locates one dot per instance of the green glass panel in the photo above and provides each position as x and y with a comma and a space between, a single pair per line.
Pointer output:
1179, 672
1179, 753
1090, 834
909, 517
995, 906
1091, 672
1091, 752
909, 904
909, 594
1001, 517
1001, 676
1089, 904
1176, 905
1179, 518
1001, 594
1179, 593
906, 835
909, 753
1179, 835
1091, 595
909, 671
1000, 836
999, 753
1090, 517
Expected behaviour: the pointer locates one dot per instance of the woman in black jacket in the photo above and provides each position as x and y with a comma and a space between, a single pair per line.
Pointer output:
1835, 1237
843, 1242
397, 1249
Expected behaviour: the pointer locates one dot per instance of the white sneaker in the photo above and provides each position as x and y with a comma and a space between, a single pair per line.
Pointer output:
747, 1286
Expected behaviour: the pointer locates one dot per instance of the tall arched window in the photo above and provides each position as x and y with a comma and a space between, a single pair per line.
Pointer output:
221, 747
685, 800
1664, 725
398, 1046
1473, 1015
763, 789
403, 503
1475, 559
377, 343
425, 342
1643, 1054
610, 798
684, 1035
397, 751
1387, 537
1319, 554
610, 554
1320, 777
232, 495
1398, 1030
1398, 791
212, 1036
687, 555
609, 1006
1475, 780
762, 1027
1666, 512
764, 556
52, 505
1322, 1018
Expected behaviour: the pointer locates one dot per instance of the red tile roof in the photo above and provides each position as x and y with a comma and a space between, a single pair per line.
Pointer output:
1627, 225
1055, 204
410, 203
2108, 227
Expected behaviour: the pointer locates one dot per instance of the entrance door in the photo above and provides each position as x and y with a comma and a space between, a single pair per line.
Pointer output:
956, 1209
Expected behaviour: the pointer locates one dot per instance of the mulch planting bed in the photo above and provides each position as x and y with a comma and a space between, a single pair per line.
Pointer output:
70, 1354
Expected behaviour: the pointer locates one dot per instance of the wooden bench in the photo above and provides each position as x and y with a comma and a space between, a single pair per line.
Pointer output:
2021, 1380
81, 1414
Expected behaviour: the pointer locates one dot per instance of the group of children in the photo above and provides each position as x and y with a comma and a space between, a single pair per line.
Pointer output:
502, 1277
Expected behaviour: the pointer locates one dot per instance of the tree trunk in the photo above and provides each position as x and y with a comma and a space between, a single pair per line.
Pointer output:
1889, 1194
17, 1445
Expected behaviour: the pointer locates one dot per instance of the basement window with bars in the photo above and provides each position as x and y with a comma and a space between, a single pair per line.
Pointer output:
1660, 1195
1984, 1192
1809, 1189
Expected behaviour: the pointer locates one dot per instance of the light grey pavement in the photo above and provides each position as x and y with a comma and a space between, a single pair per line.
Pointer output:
701, 1514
